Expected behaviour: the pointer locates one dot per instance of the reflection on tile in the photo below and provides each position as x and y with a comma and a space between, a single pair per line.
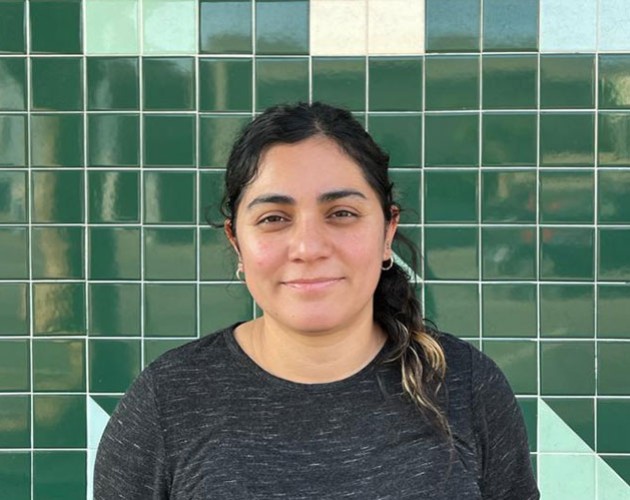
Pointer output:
12, 140
282, 27
168, 83
614, 258
169, 253
613, 312
614, 81
509, 139
450, 196
225, 27
112, 83
568, 25
59, 365
59, 474
613, 189
113, 140
210, 197
57, 196
111, 27
400, 136
216, 136
566, 253
510, 25
12, 27
566, 197
46, 16
13, 197
508, 253
567, 80
113, 196
567, 139
453, 307
281, 80
114, 253
170, 26
567, 310
12, 82
451, 253
57, 252
510, 81
340, 81
408, 193
225, 84
614, 25
453, 26
57, 140
452, 82
169, 310
59, 421
15, 365
169, 140
508, 196
613, 369
114, 309
338, 27
614, 139
169, 197
14, 262
124, 354
59, 309
517, 360
567, 368
395, 27
509, 310
14, 309
452, 140
395, 83
223, 305
217, 260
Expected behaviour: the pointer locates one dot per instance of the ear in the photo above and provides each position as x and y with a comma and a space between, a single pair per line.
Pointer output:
229, 233
390, 232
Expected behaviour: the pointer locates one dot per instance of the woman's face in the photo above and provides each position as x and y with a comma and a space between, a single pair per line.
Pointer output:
312, 237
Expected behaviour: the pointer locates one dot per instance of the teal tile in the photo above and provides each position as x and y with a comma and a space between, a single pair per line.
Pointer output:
452, 82
452, 140
566, 253
57, 140
579, 414
453, 25
46, 16
169, 197
613, 369
510, 81
225, 27
168, 83
400, 135
612, 200
14, 309
613, 139
170, 26
614, 71
578, 469
59, 474
111, 27
14, 368
114, 253
281, 80
211, 195
113, 83
57, 84
509, 310
567, 368
567, 81
13, 140
217, 133
395, 83
59, 309
113, 140
612, 415
114, 310
15, 468
508, 196
282, 27
57, 196
113, 196
613, 311
614, 24
517, 360
568, 26
567, 139
14, 262
15, 412
170, 310
217, 260
13, 196
57, 252
529, 409
567, 311
408, 194
12, 81
509, 139
225, 84
510, 25
614, 258
154, 348
59, 365
223, 305
169, 140
451, 253
340, 81
59, 421
508, 253
450, 196
123, 354
12, 27
453, 307
170, 253
566, 197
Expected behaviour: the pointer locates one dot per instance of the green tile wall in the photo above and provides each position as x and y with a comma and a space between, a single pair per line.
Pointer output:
510, 147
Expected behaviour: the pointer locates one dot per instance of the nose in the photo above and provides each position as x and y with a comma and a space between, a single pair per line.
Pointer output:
309, 240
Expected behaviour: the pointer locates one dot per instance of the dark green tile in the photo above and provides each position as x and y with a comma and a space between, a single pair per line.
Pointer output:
225, 27
282, 26
113, 196
14, 309
217, 133
15, 412
508, 253
453, 307
113, 140
59, 309
112, 83
452, 25
510, 81
408, 194
620, 464
14, 365
613, 311
413, 235
529, 409
567, 80
510, 25
13, 140
15, 467
612, 415
168, 83
509, 139
12, 27
154, 348
567, 139
169, 197
566, 197
508, 196
509, 310
452, 140
613, 188
13, 196
59, 421
400, 136
614, 257
451, 253
170, 310
566, 253
13, 82
614, 137
169, 253
59, 474
57, 252
114, 310
614, 71
567, 311
169, 140
107, 403
123, 354
59, 365
613, 369
57, 83
14, 262
340, 81
114, 253
450, 196
452, 82
579, 414
57, 140
217, 260
281, 80
223, 305
517, 360
46, 18
395, 83
567, 368
225, 84
57, 196
211, 195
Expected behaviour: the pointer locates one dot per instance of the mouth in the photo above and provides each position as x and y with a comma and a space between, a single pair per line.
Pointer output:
312, 284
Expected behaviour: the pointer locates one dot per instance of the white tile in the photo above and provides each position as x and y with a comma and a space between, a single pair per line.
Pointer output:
568, 25
396, 27
338, 27
614, 25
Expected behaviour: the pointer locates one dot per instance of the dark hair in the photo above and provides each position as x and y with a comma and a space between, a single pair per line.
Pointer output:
396, 307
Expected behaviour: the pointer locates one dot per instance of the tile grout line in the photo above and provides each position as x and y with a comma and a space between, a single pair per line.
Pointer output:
141, 180
197, 170
538, 253
596, 241
480, 294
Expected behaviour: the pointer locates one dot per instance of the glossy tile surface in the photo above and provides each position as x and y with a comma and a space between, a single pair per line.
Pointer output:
169, 253
567, 310
281, 80
16, 474
508, 196
57, 140
566, 197
114, 253
282, 27
614, 24
13, 193
566, 253
614, 259
338, 27
169, 140
509, 139
452, 82
14, 264
13, 137
58, 252
225, 84
124, 353
12, 27
216, 135
508, 253
567, 139
568, 25
13, 83
225, 26
45, 18
517, 360
510, 25
57, 196
170, 26
59, 474
613, 368
114, 310
113, 196
453, 307
112, 83
567, 368
113, 140
450, 196
169, 197
14, 309
59, 309
452, 140
612, 313
169, 310
509, 310
168, 83
452, 26
567, 80
451, 253
14, 370
395, 84
111, 27
614, 72
510, 81
613, 134
400, 136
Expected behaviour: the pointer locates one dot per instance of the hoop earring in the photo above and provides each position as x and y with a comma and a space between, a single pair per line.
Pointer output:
389, 263
239, 272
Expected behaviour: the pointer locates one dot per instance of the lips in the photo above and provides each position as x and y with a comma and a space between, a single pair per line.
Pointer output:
312, 284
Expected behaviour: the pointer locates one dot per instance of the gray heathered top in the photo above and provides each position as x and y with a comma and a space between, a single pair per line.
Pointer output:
205, 422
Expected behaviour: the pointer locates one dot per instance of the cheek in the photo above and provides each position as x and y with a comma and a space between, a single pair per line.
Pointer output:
261, 256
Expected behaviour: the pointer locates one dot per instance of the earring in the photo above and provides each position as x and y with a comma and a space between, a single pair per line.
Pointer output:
389, 263
239, 271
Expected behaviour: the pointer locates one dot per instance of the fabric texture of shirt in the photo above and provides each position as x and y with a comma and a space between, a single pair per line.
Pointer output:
204, 421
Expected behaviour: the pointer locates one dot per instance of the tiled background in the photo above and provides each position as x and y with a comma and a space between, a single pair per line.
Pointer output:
508, 123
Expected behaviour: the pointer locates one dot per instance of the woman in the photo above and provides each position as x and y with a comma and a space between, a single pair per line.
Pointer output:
339, 390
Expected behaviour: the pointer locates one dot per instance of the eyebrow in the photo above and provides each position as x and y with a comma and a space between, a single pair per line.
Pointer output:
281, 199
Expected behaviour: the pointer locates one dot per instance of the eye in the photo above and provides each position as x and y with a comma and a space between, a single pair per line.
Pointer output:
271, 219
342, 214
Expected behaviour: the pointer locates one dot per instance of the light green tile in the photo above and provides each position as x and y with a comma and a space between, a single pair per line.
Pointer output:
566, 477
609, 485
555, 435
111, 27
170, 26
